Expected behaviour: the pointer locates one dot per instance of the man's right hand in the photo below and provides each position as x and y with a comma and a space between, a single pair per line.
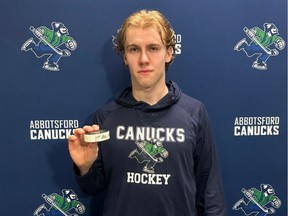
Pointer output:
83, 153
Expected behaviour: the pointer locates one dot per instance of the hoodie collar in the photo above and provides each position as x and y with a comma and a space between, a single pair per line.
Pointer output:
126, 99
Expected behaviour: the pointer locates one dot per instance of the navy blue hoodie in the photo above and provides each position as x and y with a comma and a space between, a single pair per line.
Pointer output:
159, 161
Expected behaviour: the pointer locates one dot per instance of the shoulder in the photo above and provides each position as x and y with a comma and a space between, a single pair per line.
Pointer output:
188, 100
194, 108
190, 104
103, 112
108, 108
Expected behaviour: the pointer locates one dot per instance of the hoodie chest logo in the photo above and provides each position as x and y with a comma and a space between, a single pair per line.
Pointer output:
163, 134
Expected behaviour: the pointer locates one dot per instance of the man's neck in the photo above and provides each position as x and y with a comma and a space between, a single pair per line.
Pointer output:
149, 95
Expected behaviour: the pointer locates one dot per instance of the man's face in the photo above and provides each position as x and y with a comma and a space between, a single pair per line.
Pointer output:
146, 55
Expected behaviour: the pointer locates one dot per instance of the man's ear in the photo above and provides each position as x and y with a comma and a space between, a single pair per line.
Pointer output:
124, 59
169, 54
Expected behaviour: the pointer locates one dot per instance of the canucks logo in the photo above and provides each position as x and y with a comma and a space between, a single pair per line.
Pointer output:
50, 43
149, 153
261, 44
66, 204
260, 202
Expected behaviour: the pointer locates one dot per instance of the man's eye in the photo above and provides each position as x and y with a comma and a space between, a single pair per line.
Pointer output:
154, 49
133, 49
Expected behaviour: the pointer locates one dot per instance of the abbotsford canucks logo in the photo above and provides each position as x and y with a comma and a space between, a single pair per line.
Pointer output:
261, 44
260, 202
66, 204
50, 42
150, 153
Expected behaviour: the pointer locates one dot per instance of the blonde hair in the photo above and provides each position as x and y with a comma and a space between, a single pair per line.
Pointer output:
144, 19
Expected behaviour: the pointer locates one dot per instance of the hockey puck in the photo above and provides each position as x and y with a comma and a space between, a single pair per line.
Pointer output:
97, 136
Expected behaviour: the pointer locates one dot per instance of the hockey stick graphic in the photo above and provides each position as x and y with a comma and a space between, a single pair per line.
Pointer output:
42, 38
157, 160
249, 196
273, 52
51, 202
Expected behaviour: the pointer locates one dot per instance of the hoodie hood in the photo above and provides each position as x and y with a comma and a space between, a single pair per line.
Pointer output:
127, 99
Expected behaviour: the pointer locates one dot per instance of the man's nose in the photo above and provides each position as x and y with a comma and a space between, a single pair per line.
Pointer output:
144, 57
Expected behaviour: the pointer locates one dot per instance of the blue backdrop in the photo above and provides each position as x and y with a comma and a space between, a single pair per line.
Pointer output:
44, 99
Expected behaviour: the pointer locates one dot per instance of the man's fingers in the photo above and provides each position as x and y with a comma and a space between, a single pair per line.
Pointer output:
78, 132
89, 128
96, 127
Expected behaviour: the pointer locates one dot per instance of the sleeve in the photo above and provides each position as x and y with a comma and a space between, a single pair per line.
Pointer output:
210, 199
92, 182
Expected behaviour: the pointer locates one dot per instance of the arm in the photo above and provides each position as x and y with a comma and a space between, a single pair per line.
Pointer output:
87, 161
210, 196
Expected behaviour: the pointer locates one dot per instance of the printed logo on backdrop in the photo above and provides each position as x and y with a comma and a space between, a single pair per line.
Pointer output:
178, 45
257, 126
66, 204
260, 202
50, 44
261, 44
52, 129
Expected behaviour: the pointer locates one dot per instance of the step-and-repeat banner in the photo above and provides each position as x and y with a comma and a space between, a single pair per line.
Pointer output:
231, 55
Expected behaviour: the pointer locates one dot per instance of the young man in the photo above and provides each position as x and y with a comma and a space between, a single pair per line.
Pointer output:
160, 158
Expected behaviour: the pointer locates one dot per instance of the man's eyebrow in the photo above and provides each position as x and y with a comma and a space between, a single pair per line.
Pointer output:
129, 45
154, 44
135, 45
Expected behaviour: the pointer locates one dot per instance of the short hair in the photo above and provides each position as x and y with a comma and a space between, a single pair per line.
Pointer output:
144, 19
